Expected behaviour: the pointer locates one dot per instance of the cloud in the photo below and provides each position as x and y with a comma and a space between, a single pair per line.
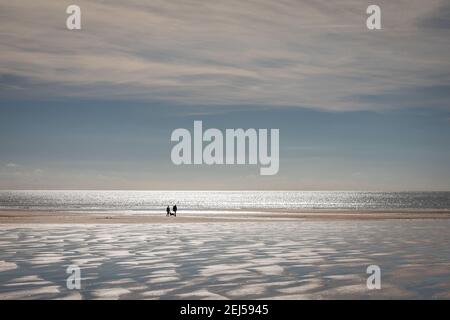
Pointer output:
315, 54
439, 18
11, 165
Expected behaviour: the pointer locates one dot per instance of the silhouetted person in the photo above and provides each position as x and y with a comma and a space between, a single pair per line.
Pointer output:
175, 210
168, 211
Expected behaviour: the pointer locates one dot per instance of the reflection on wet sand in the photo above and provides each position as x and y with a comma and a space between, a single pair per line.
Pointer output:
248, 260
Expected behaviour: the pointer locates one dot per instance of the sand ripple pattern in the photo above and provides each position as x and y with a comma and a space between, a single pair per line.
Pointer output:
276, 260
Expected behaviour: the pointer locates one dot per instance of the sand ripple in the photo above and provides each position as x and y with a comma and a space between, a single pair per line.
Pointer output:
277, 260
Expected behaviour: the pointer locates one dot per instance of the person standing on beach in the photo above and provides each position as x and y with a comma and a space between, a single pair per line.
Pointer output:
168, 211
175, 210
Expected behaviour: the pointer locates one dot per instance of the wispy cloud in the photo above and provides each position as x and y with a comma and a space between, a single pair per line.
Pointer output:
11, 165
439, 18
315, 54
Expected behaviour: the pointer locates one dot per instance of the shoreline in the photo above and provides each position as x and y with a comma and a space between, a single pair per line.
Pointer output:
60, 217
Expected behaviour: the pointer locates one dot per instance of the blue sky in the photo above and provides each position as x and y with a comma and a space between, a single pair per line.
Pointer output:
110, 145
94, 109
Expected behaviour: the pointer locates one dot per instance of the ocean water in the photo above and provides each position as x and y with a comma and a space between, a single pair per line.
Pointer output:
218, 201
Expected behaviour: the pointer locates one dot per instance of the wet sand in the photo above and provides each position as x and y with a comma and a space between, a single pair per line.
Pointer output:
292, 256
52, 217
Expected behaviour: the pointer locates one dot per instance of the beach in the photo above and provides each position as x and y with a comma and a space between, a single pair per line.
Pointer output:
52, 217
265, 255
230, 150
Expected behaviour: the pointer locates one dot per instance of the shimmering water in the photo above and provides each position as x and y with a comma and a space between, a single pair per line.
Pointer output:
155, 201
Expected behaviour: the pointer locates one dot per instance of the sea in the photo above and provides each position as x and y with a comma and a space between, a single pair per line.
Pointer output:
148, 202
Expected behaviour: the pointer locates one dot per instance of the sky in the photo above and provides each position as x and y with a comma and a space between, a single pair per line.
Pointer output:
94, 108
